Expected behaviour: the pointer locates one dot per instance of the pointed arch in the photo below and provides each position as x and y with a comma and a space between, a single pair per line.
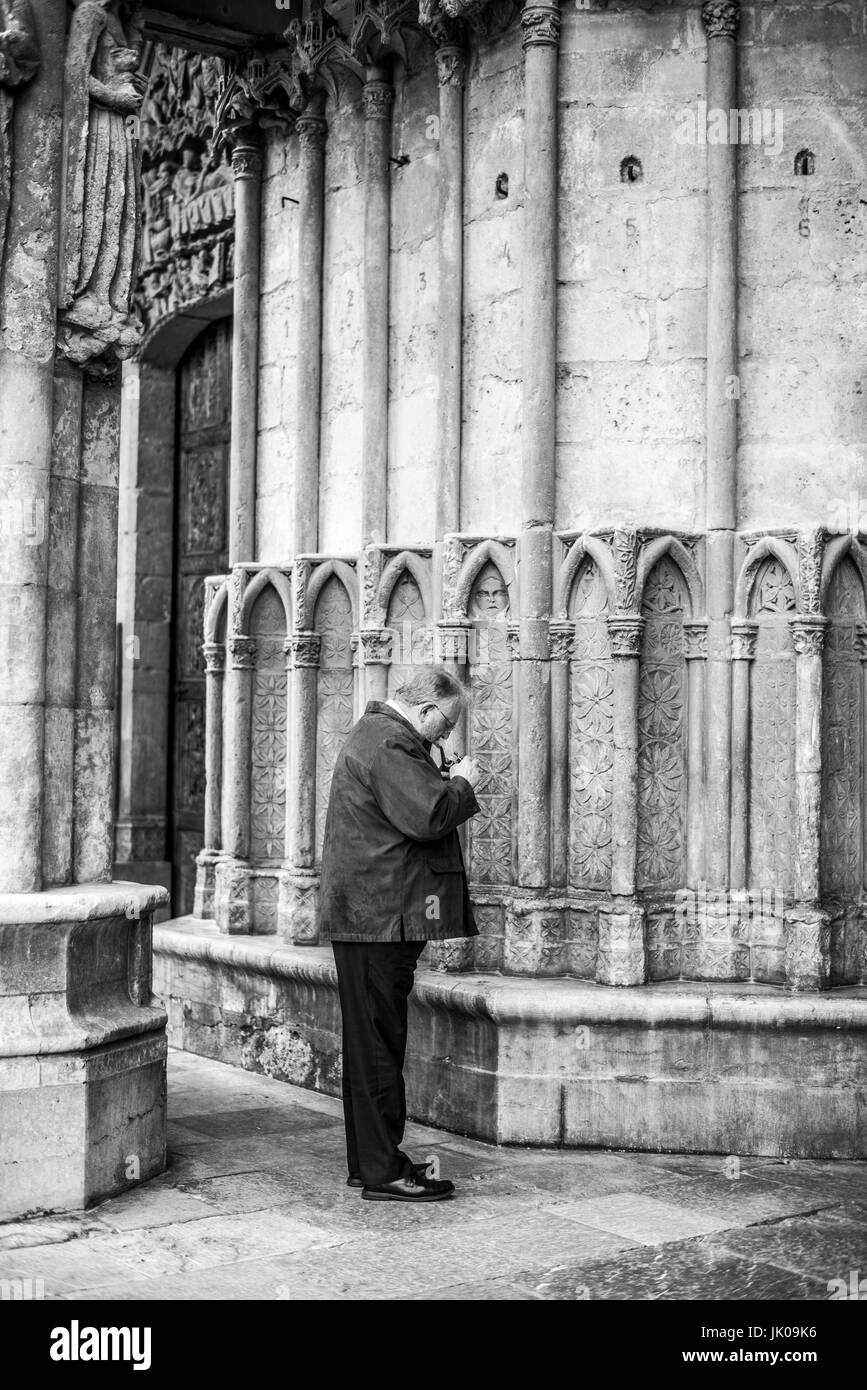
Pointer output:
319, 578
413, 564
783, 551
487, 551
836, 552
584, 547
279, 582
670, 545
216, 614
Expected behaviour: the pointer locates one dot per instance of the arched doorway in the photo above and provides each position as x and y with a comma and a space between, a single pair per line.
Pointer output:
200, 548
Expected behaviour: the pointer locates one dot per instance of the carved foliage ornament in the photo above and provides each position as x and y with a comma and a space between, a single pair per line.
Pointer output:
378, 99
540, 24
810, 546
19, 60
720, 18
451, 66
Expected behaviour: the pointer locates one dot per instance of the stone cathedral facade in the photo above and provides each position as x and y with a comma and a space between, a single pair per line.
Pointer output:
529, 339
529, 386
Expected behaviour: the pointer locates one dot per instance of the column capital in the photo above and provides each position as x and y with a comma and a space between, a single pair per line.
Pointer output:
303, 648
451, 60
453, 641
562, 641
378, 99
247, 160
695, 641
243, 652
744, 640
376, 645
215, 657
625, 632
721, 18
540, 24
312, 131
808, 634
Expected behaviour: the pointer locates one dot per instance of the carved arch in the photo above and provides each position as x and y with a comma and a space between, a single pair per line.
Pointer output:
342, 571
583, 547
486, 551
768, 545
406, 560
279, 582
835, 553
217, 611
670, 545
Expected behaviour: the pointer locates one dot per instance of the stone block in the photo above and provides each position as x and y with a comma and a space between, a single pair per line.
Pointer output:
601, 326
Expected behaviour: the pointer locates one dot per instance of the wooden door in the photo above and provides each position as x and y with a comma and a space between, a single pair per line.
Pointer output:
201, 548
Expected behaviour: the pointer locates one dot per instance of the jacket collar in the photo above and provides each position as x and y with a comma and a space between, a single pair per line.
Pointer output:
380, 707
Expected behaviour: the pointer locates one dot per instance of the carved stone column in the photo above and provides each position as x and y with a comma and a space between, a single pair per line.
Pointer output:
378, 100
247, 168
311, 129
695, 653
743, 652
298, 903
211, 852
621, 959
721, 21
236, 830
562, 643
807, 926
376, 648
82, 1045
540, 25
451, 72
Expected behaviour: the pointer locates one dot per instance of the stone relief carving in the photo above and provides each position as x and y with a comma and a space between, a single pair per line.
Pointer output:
188, 187
491, 737
268, 740
661, 859
841, 835
772, 722
333, 622
101, 241
591, 733
721, 18
19, 62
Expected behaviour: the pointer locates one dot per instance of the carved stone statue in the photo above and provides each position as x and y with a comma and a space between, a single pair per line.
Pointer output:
19, 60
103, 93
490, 597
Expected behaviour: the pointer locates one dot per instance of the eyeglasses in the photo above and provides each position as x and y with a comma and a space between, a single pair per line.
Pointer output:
449, 723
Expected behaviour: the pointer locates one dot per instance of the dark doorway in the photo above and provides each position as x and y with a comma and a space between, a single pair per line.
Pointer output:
200, 548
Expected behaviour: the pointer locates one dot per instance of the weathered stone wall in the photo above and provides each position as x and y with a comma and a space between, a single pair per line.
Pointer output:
632, 295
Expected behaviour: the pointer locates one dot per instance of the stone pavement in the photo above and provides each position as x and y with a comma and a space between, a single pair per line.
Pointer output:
254, 1206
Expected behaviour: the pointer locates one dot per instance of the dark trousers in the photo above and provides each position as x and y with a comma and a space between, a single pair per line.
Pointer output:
374, 979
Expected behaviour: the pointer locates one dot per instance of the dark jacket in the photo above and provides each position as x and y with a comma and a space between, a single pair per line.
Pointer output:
391, 847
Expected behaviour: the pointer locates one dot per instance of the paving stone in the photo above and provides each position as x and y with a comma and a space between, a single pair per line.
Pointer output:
639, 1217
744, 1200
682, 1271
822, 1247
230, 1123
212, 1240
75, 1265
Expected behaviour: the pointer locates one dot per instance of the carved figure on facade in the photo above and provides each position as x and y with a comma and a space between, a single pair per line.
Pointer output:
19, 61
102, 96
188, 187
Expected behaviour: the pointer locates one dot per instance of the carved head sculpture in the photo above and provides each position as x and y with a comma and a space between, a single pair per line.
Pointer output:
489, 599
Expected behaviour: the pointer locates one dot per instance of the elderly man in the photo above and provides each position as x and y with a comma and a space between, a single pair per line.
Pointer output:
392, 878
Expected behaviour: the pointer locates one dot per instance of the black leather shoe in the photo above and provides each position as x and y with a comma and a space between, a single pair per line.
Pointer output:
412, 1187
356, 1180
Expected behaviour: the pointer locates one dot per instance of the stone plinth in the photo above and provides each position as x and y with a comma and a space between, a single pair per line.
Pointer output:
713, 1068
82, 1046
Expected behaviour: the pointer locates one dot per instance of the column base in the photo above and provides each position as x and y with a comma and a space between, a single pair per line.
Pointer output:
246, 897
677, 1067
298, 906
206, 882
622, 954
82, 1046
808, 947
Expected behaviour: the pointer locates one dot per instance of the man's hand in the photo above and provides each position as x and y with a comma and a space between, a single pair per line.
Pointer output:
469, 769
